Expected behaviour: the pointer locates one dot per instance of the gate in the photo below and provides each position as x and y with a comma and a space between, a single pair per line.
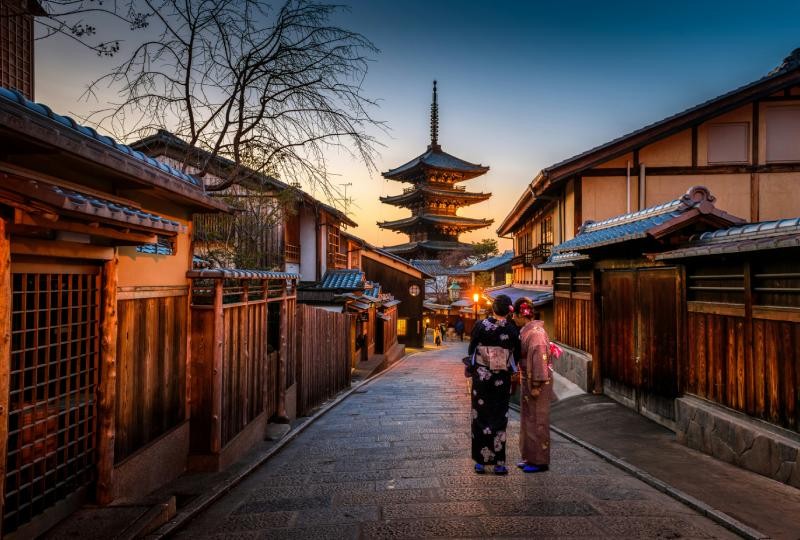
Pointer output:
639, 338
54, 373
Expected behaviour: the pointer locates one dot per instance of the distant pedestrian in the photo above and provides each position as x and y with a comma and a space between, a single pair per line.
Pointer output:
437, 336
443, 331
537, 389
459, 327
493, 351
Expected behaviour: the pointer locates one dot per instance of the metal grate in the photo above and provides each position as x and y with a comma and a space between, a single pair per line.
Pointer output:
52, 406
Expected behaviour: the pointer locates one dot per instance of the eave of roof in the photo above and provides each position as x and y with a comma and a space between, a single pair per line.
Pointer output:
237, 273
466, 197
432, 245
383, 253
434, 158
493, 262
436, 220
37, 121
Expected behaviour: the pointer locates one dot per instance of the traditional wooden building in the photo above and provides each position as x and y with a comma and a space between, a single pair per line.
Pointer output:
492, 272
16, 44
289, 230
399, 278
691, 325
434, 199
741, 145
94, 251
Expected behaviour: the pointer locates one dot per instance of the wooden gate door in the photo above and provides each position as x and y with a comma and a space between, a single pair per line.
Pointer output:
640, 336
54, 374
618, 334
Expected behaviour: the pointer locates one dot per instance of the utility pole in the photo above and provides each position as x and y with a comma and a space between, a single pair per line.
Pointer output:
346, 200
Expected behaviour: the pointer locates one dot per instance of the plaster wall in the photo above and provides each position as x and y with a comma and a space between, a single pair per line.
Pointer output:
621, 161
778, 196
731, 190
603, 197
308, 246
569, 211
741, 115
672, 151
141, 269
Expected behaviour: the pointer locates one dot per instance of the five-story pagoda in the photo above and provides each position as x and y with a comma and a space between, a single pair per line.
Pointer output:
433, 227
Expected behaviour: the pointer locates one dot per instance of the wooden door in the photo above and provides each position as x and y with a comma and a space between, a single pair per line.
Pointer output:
618, 349
657, 346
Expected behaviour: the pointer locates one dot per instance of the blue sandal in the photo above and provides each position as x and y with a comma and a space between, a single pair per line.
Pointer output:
480, 469
500, 469
534, 468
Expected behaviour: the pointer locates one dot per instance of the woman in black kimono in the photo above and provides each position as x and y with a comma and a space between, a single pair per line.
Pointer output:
493, 351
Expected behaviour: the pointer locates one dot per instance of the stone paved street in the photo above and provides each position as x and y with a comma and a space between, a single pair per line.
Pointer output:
392, 461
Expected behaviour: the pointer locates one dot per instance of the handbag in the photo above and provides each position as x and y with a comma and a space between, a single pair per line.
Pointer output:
494, 357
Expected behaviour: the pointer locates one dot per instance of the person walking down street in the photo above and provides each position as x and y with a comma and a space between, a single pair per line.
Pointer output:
443, 331
493, 351
536, 389
437, 336
459, 327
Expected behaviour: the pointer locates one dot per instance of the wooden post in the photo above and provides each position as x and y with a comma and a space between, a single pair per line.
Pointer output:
108, 385
280, 415
216, 368
597, 321
5, 346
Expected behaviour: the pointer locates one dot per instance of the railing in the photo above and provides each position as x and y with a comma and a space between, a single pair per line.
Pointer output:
337, 260
540, 253
292, 253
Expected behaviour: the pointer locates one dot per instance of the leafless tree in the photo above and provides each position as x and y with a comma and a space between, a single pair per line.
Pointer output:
270, 90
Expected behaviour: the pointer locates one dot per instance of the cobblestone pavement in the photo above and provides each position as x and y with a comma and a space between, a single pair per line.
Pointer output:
392, 461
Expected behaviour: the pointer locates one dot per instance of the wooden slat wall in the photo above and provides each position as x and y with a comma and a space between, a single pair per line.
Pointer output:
389, 329
151, 371
574, 322
248, 373
761, 380
323, 355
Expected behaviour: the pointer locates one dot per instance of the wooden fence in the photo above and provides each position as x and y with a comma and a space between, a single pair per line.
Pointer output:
744, 337
237, 376
151, 369
574, 318
324, 355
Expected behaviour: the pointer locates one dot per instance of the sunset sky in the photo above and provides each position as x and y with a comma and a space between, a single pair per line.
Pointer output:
521, 84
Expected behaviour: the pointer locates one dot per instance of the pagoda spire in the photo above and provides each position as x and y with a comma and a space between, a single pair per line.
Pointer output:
434, 120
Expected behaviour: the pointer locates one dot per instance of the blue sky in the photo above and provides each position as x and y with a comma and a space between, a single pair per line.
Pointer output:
522, 84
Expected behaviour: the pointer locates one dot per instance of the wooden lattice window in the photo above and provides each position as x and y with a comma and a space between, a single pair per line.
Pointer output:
716, 282
546, 231
54, 373
16, 48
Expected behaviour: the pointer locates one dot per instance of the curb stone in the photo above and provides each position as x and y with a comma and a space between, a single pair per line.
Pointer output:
201, 503
699, 506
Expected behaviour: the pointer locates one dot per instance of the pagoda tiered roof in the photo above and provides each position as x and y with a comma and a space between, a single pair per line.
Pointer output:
434, 219
427, 191
435, 159
427, 246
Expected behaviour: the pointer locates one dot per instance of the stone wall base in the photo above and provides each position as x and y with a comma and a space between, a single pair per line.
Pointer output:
575, 366
738, 439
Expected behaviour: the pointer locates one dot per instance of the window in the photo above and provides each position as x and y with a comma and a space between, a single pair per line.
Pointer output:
165, 245
402, 325
546, 237
727, 143
783, 134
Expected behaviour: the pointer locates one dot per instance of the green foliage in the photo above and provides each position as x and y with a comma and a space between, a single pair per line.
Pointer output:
485, 249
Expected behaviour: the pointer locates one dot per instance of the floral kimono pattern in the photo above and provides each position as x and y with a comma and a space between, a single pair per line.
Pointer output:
534, 436
491, 391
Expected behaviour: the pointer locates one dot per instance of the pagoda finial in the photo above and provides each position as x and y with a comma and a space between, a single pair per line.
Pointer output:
434, 120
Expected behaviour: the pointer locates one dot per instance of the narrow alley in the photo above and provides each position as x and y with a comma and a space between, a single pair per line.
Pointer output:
392, 461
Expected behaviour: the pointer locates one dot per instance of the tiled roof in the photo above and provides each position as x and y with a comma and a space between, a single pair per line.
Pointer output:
342, 279
563, 260
237, 273
765, 235
492, 263
435, 158
43, 110
411, 195
634, 225
374, 291
436, 220
538, 296
433, 245
434, 267
382, 252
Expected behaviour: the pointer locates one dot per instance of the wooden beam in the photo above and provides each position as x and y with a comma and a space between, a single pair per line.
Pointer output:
65, 250
597, 318
106, 395
5, 345
694, 146
755, 196
792, 167
216, 366
578, 198
27, 219
755, 130
280, 413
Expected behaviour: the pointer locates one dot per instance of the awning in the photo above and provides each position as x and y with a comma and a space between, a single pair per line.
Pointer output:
391, 303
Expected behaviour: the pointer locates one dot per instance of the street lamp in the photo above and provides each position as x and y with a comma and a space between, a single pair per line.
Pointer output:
475, 298
454, 292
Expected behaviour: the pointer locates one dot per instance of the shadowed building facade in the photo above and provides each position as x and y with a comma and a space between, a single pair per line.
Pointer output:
434, 198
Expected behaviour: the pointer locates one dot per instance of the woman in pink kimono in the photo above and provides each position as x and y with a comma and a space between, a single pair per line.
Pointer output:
536, 389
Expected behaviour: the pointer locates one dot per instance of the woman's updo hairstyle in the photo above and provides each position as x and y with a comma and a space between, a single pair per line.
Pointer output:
502, 306
523, 307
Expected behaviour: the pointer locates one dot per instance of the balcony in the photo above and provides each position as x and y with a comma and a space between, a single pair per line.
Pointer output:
539, 254
337, 261
292, 253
